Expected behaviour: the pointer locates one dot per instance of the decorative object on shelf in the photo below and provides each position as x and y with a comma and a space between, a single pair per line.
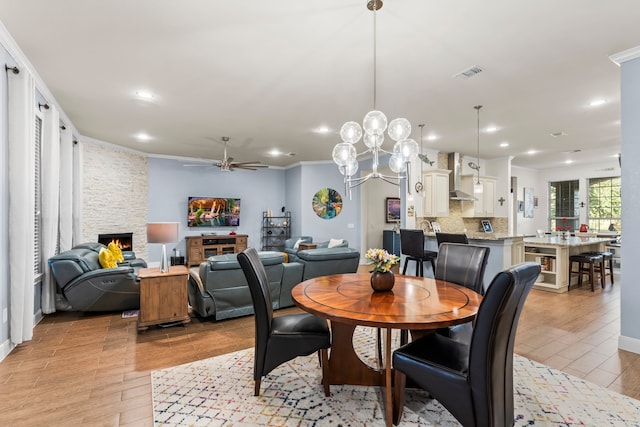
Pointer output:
486, 226
477, 187
502, 200
162, 232
327, 203
382, 278
374, 124
392, 209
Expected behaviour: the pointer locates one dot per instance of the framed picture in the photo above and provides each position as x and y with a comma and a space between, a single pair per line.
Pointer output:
486, 226
528, 202
392, 209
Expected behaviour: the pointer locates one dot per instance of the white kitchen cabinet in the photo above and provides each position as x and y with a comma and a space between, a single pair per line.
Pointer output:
436, 193
485, 206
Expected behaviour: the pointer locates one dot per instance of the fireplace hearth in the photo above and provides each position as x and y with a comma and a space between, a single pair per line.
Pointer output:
123, 240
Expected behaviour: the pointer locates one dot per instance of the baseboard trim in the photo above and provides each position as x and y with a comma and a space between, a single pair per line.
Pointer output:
5, 349
629, 344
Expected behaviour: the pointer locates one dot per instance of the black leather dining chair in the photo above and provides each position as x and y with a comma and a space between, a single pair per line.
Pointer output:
412, 246
451, 238
472, 381
283, 338
463, 265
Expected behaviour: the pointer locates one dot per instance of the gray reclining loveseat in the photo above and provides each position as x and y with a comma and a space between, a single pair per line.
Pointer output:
83, 285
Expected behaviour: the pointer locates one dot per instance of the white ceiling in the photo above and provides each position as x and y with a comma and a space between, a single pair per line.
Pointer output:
267, 74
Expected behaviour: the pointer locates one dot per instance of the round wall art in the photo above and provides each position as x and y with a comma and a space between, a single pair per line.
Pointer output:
327, 203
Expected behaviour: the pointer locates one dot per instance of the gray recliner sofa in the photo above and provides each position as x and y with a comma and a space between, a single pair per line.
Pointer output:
218, 288
83, 285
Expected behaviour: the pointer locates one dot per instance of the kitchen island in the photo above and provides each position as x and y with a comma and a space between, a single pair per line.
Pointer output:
505, 250
552, 253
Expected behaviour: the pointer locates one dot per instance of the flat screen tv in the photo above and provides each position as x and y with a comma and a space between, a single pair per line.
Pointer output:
213, 212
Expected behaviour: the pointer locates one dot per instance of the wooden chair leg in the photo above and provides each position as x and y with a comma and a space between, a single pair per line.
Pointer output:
399, 381
404, 269
379, 344
611, 269
324, 355
603, 273
256, 390
592, 275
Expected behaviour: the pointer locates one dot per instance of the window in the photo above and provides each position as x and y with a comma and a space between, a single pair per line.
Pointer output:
605, 204
564, 200
37, 212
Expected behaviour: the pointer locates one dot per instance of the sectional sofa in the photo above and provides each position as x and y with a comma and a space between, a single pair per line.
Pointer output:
218, 288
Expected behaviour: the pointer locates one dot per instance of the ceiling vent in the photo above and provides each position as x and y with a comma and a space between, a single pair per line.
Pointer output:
558, 134
469, 72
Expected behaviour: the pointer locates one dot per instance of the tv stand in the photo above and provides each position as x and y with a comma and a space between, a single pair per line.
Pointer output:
199, 248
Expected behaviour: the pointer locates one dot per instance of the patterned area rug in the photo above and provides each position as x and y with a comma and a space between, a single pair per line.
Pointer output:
219, 392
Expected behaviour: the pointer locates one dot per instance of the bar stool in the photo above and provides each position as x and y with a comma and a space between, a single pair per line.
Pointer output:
412, 245
586, 265
606, 257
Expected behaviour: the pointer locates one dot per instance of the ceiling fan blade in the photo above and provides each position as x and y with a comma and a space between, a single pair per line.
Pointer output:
198, 165
257, 164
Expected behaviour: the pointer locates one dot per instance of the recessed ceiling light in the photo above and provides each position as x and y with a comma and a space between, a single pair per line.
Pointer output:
143, 137
530, 152
144, 95
432, 137
491, 129
597, 102
322, 129
504, 144
275, 152
568, 161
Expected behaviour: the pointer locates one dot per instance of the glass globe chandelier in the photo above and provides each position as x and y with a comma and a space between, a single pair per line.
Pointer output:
372, 131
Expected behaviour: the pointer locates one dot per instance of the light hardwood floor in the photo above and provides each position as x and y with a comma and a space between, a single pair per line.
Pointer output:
94, 369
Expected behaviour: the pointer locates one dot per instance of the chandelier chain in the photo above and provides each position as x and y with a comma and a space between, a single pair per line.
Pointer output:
375, 58
478, 107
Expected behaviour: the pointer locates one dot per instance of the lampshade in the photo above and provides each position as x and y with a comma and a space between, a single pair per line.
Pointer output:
162, 232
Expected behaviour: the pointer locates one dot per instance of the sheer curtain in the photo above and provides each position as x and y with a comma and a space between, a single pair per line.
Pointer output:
21, 124
50, 185
66, 190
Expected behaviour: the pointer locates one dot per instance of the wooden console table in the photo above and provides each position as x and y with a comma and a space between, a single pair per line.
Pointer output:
163, 296
199, 248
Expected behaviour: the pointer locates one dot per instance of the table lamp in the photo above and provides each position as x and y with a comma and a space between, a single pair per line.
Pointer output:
163, 232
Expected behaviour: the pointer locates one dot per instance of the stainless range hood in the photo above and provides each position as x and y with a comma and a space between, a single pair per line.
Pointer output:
455, 192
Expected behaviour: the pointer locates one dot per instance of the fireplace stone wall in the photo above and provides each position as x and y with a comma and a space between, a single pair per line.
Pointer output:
114, 193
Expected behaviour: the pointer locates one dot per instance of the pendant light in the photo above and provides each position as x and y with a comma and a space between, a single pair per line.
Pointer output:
477, 187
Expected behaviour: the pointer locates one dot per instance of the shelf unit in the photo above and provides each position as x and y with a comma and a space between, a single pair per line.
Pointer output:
199, 248
275, 230
552, 260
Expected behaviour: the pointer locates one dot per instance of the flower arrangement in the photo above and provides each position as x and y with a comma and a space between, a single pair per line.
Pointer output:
382, 260
564, 226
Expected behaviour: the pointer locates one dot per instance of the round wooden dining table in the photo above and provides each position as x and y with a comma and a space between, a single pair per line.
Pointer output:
347, 300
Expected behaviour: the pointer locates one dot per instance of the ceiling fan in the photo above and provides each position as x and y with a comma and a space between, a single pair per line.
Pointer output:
227, 164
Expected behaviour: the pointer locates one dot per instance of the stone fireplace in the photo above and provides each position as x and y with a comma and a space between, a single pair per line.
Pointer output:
123, 240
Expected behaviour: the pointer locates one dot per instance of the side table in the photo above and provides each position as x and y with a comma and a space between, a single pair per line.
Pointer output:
163, 296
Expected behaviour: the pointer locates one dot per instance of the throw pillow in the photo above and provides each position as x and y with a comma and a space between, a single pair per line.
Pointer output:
334, 242
298, 243
116, 251
106, 258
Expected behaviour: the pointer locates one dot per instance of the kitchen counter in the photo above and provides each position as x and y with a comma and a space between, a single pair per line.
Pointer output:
504, 250
552, 253
552, 241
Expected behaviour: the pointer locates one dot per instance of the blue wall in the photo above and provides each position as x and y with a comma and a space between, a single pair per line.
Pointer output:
171, 183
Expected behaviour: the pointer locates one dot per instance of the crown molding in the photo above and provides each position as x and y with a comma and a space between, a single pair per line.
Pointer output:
625, 55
